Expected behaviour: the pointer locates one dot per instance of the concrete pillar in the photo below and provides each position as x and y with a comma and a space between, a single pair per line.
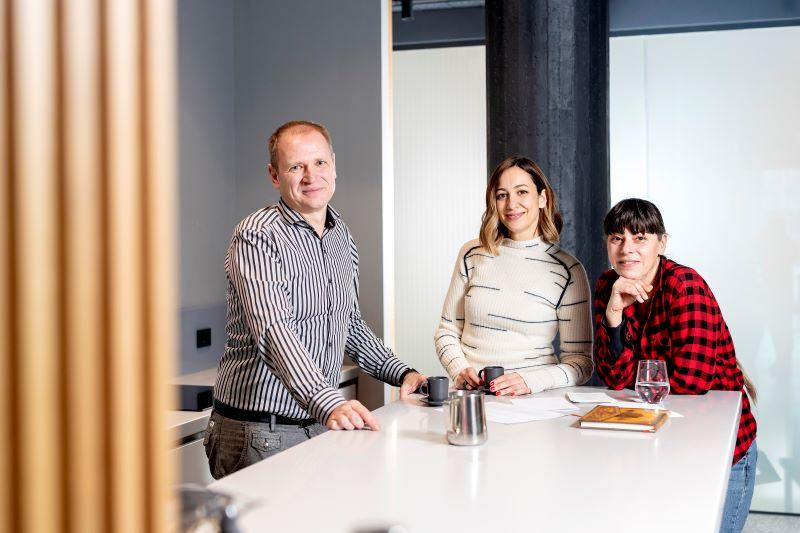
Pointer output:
547, 98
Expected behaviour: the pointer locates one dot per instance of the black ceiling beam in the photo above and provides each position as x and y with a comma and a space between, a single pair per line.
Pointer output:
462, 26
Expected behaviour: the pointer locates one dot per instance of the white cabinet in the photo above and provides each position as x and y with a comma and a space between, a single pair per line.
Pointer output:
189, 454
349, 392
190, 459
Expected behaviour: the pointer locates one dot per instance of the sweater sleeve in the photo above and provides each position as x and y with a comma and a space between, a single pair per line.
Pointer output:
447, 338
575, 333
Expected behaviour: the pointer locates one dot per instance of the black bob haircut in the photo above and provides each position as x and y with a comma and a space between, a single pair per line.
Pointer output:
635, 215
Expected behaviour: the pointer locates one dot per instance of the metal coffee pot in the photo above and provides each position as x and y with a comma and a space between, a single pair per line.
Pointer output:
465, 418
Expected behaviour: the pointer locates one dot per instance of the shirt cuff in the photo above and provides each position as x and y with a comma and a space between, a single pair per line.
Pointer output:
323, 403
393, 370
615, 338
407, 372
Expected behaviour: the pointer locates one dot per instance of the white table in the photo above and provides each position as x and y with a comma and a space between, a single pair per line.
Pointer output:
536, 476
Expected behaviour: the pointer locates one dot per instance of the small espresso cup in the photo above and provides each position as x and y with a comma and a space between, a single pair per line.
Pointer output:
488, 373
435, 388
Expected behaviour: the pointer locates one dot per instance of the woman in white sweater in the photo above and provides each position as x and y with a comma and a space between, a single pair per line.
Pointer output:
513, 290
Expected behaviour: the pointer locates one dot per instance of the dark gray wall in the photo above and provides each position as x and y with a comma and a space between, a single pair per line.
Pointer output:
640, 17
465, 26
316, 60
245, 67
207, 171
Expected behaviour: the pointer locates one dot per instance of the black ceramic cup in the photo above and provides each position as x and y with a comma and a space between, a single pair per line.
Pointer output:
435, 388
488, 373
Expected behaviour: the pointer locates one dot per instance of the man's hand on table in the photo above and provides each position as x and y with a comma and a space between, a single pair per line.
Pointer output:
352, 415
411, 382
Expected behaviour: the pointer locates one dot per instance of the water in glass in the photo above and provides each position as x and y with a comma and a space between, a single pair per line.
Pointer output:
652, 383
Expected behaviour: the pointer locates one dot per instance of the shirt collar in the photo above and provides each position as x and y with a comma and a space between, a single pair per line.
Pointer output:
294, 218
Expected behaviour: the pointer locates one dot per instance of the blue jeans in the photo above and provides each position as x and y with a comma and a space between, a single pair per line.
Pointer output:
740, 491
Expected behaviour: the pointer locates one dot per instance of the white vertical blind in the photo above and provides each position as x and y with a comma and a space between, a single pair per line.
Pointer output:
706, 126
440, 178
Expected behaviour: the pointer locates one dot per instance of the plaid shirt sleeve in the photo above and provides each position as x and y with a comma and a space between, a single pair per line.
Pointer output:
617, 371
693, 324
692, 320
687, 330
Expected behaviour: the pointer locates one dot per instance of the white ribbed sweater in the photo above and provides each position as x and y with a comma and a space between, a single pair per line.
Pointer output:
506, 310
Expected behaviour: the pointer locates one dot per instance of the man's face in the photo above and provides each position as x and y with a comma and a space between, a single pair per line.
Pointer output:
306, 173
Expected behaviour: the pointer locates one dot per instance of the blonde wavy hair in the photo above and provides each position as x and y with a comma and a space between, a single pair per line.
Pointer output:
550, 222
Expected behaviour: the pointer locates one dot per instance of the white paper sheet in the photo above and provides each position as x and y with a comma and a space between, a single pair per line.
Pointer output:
543, 404
512, 414
589, 397
643, 405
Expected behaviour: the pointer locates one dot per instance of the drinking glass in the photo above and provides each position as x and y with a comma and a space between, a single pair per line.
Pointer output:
652, 382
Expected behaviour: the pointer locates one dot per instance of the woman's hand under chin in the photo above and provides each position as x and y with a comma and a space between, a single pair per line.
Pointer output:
625, 292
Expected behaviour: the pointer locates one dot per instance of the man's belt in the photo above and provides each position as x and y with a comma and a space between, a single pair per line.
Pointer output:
244, 415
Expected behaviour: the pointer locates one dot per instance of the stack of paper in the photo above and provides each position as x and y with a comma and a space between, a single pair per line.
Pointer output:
643, 405
589, 397
604, 399
527, 410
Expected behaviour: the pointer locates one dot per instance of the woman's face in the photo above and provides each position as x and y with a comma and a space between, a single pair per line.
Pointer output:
635, 255
518, 203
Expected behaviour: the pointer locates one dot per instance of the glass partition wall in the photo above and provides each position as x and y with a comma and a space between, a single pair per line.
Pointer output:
707, 126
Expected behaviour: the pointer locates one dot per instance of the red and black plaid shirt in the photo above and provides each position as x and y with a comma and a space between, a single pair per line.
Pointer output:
685, 328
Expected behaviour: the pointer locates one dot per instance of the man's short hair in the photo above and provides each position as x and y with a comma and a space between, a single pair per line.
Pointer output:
294, 124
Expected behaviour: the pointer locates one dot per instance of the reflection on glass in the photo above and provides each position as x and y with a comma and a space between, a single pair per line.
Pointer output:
705, 125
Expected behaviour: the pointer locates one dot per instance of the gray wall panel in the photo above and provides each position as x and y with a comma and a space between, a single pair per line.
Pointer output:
244, 68
316, 60
207, 173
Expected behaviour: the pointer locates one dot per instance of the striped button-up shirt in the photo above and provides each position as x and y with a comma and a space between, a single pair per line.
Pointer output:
292, 314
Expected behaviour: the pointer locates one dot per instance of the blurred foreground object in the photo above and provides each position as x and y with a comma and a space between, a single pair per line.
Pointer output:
87, 263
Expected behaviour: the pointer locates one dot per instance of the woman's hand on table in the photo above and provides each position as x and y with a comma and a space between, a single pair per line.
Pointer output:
509, 385
624, 292
468, 379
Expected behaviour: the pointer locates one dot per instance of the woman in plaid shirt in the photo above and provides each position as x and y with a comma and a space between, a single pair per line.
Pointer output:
649, 307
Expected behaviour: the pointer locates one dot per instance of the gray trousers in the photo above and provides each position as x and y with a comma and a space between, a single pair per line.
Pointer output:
232, 445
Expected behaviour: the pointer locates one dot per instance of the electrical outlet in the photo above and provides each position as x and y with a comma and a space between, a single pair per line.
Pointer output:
203, 337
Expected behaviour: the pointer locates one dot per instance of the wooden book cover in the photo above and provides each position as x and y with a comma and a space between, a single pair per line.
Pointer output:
627, 418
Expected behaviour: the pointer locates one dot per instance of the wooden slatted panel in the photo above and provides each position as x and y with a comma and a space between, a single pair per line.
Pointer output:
35, 241
161, 200
84, 322
7, 471
87, 327
125, 264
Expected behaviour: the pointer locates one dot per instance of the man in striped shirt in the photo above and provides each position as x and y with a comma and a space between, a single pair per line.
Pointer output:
292, 271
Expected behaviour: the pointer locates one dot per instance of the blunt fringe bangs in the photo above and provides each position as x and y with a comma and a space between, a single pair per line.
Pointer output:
635, 215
